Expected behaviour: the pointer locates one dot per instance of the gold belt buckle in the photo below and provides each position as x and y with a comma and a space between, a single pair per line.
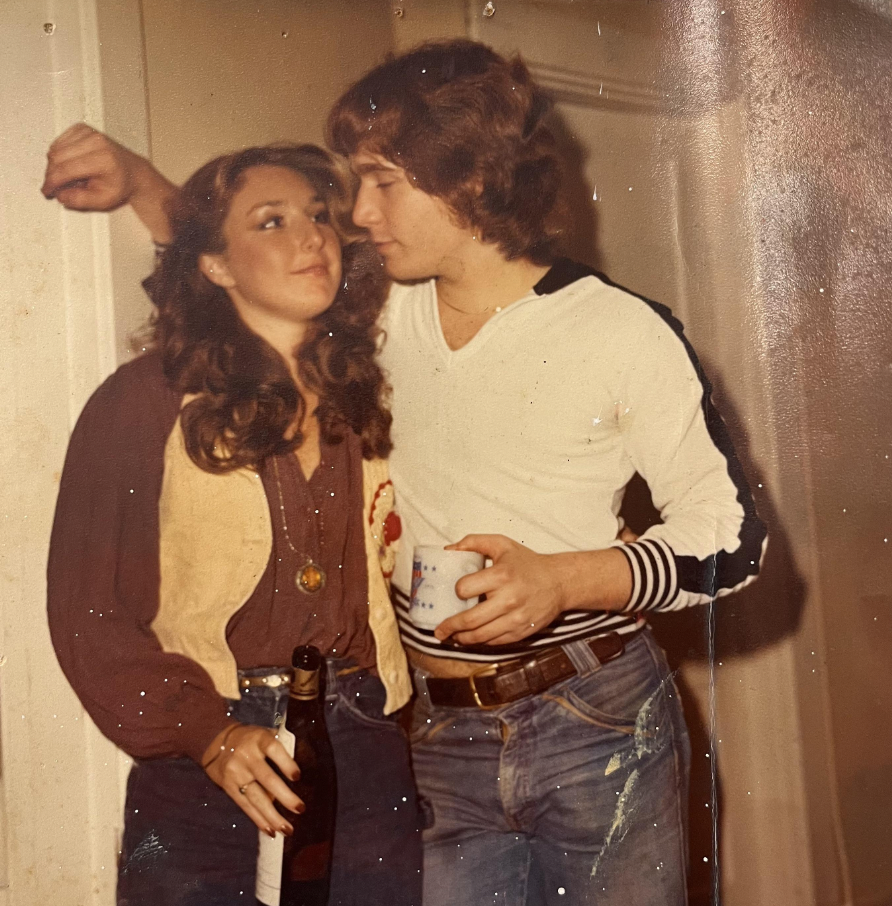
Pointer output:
489, 668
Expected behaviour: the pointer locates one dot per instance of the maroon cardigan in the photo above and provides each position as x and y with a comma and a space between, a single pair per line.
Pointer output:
103, 575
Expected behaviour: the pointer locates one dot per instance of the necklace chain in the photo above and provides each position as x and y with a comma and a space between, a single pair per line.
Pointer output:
462, 311
310, 577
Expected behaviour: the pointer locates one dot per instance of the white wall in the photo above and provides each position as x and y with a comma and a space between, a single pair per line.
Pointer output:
60, 335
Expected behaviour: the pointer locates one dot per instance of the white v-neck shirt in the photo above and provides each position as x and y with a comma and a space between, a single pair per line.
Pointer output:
534, 428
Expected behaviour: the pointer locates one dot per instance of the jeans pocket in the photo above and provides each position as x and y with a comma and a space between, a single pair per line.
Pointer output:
421, 722
427, 723
426, 819
363, 698
426, 730
580, 708
618, 695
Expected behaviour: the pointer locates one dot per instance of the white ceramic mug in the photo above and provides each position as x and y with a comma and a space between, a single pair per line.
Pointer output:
434, 574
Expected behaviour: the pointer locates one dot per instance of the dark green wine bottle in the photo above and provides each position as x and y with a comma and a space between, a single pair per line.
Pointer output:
305, 873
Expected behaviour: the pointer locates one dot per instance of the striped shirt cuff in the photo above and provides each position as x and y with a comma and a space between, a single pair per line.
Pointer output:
654, 578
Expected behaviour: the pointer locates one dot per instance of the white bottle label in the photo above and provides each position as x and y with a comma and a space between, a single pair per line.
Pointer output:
269, 856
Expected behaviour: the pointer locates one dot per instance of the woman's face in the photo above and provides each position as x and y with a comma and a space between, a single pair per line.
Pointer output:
282, 264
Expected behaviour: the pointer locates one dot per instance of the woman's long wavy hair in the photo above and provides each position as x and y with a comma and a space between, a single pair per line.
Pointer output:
247, 401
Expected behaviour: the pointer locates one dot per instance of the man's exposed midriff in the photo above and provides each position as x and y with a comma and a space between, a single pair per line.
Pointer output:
443, 667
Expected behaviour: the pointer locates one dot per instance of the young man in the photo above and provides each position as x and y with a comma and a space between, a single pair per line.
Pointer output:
547, 733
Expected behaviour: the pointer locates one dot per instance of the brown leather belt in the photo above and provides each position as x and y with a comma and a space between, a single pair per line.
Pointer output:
498, 685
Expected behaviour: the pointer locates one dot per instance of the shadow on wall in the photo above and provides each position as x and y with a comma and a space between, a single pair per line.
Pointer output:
819, 95
582, 224
765, 612
760, 615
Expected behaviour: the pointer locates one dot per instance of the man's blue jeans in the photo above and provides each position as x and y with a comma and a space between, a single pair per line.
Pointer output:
575, 796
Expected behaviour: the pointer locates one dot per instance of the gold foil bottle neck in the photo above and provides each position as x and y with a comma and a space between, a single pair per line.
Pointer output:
305, 685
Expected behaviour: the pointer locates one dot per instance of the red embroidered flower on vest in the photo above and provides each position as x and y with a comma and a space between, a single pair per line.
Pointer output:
386, 527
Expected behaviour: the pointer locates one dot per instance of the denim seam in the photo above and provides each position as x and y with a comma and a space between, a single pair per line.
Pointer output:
679, 785
429, 732
682, 830
679, 805
526, 877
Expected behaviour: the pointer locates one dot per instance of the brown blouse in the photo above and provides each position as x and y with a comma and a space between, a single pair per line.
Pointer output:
103, 572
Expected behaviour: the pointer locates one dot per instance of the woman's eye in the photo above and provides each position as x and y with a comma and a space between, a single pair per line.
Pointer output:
322, 216
272, 223
385, 184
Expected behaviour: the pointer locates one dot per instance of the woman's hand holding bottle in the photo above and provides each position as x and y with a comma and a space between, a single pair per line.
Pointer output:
238, 761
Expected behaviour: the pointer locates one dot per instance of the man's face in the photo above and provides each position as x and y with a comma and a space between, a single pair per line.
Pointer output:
415, 233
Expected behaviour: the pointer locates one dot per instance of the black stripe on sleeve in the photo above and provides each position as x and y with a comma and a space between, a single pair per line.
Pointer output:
652, 573
718, 573
670, 587
636, 564
725, 570
658, 587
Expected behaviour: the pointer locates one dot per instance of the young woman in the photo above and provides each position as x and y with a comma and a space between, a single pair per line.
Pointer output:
225, 499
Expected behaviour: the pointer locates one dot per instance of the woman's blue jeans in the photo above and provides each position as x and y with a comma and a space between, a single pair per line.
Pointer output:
186, 843
575, 796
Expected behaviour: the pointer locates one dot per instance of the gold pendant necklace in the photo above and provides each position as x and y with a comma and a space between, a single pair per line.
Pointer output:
310, 578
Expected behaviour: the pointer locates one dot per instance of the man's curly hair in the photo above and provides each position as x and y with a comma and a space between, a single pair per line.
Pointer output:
468, 126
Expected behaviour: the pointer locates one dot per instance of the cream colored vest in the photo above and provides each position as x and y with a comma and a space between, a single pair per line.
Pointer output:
215, 542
